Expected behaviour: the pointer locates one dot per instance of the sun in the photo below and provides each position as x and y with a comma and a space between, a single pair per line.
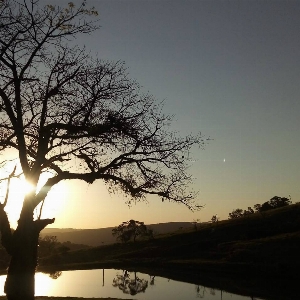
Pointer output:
18, 189
26, 187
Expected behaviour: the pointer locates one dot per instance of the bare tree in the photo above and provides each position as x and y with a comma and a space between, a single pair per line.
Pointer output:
75, 117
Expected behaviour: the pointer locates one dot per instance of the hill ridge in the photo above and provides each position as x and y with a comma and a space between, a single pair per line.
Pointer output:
99, 236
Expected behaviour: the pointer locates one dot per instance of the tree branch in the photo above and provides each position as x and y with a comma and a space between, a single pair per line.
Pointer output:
8, 183
40, 224
6, 235
59, 106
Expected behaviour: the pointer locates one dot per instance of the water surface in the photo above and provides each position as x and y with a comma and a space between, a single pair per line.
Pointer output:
122, 284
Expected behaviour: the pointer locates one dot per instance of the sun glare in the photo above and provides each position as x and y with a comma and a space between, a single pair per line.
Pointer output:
18, 189
26, 187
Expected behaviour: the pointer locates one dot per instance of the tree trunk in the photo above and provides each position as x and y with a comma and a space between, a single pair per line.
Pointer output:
22, 245
23, 248
20, 277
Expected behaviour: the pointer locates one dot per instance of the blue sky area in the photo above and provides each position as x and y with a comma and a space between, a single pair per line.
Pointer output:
229, 69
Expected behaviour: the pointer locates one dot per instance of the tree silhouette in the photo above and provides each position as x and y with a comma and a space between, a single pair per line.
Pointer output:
55, 274
152, 279
200, 291
130, 230
236, 213
248, 212
275, 202
257, 207
214, 219
73, 116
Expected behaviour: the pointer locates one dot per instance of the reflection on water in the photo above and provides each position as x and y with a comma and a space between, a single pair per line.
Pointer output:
55, 275
122, 284
129, 285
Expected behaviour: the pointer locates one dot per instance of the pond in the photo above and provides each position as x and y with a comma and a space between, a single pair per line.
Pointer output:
122, 284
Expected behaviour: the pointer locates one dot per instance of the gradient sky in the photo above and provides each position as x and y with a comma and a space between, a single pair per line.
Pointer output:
229, 69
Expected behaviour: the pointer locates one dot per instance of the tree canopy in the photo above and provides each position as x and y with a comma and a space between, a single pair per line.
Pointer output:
274, 202
131, 230
80, 117
236, 213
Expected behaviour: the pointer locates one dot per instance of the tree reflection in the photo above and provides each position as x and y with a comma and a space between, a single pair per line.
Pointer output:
55, 275
212, 291
152, 279
130, 286
200, 291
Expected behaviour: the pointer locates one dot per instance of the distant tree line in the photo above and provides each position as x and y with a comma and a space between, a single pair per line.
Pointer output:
275, 202
49, 245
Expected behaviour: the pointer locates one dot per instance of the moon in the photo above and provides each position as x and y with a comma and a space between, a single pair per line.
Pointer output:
224, 159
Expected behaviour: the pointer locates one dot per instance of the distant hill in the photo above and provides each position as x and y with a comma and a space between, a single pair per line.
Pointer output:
50, 230
103, 236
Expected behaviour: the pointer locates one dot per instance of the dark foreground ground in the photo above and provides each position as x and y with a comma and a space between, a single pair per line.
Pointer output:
63, 298
257, 254
265, 244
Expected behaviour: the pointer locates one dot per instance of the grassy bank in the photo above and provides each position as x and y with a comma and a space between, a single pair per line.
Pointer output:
267, 243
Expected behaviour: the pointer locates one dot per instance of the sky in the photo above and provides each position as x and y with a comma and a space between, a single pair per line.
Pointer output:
229, 69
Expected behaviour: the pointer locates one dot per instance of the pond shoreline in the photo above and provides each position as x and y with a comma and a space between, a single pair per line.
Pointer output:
234, 278
67, 298
238, 279
257, 255
244, 270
